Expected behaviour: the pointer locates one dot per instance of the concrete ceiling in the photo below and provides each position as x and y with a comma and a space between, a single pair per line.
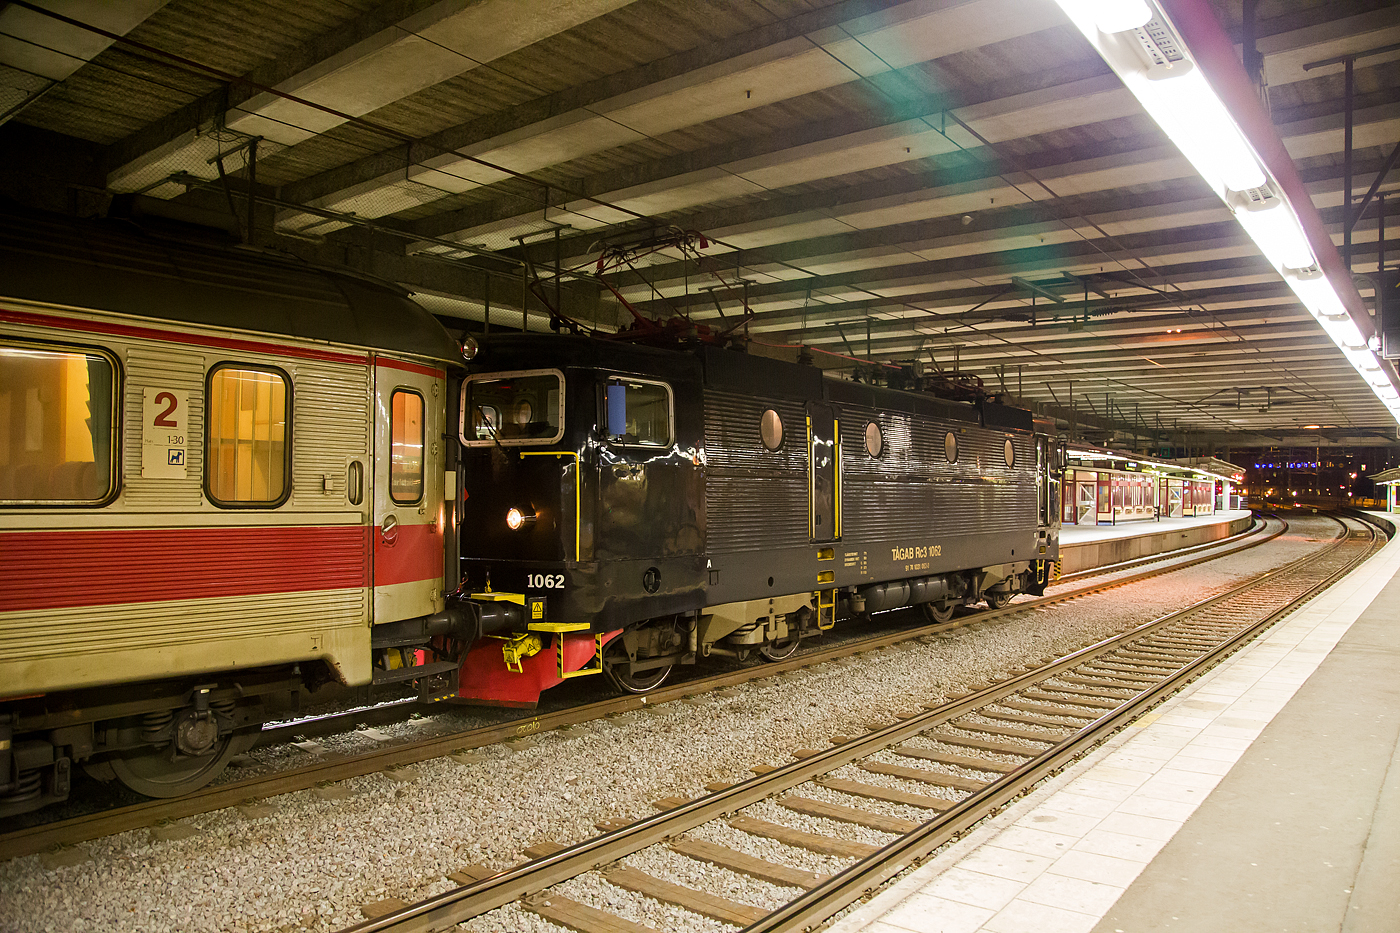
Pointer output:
962, 183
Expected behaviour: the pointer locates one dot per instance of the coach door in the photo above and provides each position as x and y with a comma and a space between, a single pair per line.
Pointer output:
823, 472
1086, 499
407, 532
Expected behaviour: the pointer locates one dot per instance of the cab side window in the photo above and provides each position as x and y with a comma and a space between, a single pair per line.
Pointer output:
637, 411
246, 460
406, 447
57, 424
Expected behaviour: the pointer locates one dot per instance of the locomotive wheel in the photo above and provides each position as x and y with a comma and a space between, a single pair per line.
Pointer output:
615, 663
998, 600
150, 771
784, 649
937, 612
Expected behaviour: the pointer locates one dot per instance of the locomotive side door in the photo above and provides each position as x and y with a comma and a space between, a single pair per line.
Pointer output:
407, 526
823, 472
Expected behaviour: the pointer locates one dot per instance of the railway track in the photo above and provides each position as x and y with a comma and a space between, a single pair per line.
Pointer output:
332, 769
954, 763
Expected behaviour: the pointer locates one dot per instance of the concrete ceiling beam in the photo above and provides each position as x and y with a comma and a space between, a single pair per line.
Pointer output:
382, 57
39, 51
858, 49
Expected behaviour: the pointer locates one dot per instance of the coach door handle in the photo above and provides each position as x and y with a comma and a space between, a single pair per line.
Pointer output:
355, 482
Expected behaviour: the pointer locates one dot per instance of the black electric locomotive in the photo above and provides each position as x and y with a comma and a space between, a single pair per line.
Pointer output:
628, 508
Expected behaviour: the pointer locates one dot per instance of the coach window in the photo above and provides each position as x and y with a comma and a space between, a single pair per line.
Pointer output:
770, 429
950, 447
57, 422
406, 447
637, 411
246, 461
512, 409
874, 439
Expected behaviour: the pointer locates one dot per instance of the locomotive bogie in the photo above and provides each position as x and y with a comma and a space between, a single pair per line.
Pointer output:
739, 626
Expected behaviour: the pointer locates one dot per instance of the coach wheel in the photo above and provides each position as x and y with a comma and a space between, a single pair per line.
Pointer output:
154, 773
937, 612
998, 600
616, 668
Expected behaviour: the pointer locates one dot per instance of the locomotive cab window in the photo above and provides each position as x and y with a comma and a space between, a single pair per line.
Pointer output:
56, 425
246, 459
637, 411
513, 408
406, 447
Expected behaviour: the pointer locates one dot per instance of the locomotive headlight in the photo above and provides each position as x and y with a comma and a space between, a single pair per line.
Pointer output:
515, 518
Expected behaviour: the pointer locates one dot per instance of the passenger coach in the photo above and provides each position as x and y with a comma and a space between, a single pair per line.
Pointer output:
222, 481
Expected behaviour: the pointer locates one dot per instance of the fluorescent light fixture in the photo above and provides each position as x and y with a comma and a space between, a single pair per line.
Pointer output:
1120, 15
1344, 332
1154, 65
1316, 293
1362, 361
1275, 230
1152, 62
1195, 119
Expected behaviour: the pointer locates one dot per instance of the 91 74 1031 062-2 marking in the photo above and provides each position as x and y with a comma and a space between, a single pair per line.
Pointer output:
544, 581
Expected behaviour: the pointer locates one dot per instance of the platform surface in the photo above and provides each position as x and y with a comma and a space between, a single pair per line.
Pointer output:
1085, 534
1265, 798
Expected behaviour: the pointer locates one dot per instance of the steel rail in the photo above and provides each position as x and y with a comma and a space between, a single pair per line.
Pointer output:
445, 910
846, 887
42, 837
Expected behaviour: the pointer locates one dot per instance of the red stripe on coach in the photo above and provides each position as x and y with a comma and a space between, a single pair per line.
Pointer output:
416, 554
66, 569
408, 367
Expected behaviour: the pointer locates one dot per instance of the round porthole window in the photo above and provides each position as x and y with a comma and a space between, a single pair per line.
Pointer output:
770, 428
950, 447
1010, 453
874, 439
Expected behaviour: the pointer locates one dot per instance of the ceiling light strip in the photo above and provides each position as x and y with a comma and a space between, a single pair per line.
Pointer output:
1175, 58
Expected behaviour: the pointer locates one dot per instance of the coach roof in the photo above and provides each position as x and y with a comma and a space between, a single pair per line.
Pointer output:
122, 267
